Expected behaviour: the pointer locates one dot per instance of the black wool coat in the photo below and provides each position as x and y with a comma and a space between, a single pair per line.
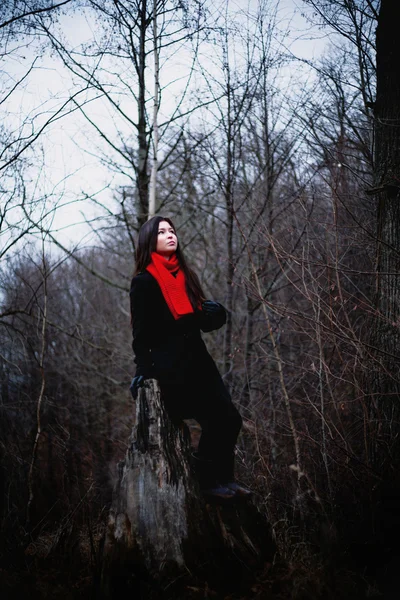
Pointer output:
167, 349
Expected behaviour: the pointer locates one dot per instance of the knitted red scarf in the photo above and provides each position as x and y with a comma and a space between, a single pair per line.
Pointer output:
172, 286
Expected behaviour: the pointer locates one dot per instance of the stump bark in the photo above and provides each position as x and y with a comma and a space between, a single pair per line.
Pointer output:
164, 540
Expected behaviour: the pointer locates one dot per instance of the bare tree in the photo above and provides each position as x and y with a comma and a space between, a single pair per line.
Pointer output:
116, 67
385, 381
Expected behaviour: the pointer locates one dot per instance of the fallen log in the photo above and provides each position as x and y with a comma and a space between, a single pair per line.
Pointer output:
164, 540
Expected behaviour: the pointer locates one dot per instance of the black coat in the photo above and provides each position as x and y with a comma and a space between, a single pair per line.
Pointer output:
167, 349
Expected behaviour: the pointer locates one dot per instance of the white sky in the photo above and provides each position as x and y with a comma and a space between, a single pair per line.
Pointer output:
71, 169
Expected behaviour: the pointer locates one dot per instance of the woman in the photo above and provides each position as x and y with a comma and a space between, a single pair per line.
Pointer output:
168, 310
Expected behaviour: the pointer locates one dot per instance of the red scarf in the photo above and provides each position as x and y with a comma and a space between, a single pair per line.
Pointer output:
172, 286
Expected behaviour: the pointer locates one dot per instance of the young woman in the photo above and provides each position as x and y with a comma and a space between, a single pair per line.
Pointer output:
168, 310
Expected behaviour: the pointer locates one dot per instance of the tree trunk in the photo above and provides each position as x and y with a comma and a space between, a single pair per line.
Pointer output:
163, 540
142, 177
386, 335
154, 168
230, 270
246, 399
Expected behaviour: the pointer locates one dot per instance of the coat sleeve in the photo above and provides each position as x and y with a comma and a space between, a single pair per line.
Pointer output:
210, 321
141, 327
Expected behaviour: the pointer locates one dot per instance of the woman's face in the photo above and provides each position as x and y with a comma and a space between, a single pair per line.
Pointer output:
167, 242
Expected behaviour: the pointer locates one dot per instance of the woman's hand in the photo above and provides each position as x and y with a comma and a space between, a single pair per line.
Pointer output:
137, 382
210, 307
212, 316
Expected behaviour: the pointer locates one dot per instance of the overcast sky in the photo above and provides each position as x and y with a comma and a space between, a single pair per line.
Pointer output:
70, 167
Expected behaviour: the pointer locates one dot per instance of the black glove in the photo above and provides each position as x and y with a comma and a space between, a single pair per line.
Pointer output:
211, 308
137, 382
213, 316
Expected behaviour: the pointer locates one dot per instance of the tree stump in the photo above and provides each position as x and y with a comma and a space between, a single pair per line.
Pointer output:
163, 539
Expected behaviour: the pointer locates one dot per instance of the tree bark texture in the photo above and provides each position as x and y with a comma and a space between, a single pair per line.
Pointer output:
163, 539
386, 333
142, 177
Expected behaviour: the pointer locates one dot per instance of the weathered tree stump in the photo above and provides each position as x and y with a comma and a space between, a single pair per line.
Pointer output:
163, 539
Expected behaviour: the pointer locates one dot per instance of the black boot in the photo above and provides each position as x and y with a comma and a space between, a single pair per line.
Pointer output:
238, 489
225, 474
210, 487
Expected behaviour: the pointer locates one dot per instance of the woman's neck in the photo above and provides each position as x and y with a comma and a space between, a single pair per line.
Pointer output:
166, 256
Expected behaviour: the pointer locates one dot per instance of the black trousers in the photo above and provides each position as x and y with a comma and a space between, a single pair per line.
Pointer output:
209, 403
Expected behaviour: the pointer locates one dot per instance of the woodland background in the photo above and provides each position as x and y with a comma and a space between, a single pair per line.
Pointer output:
282, 176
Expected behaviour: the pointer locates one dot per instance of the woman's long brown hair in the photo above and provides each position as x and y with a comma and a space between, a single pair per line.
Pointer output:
147, 243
